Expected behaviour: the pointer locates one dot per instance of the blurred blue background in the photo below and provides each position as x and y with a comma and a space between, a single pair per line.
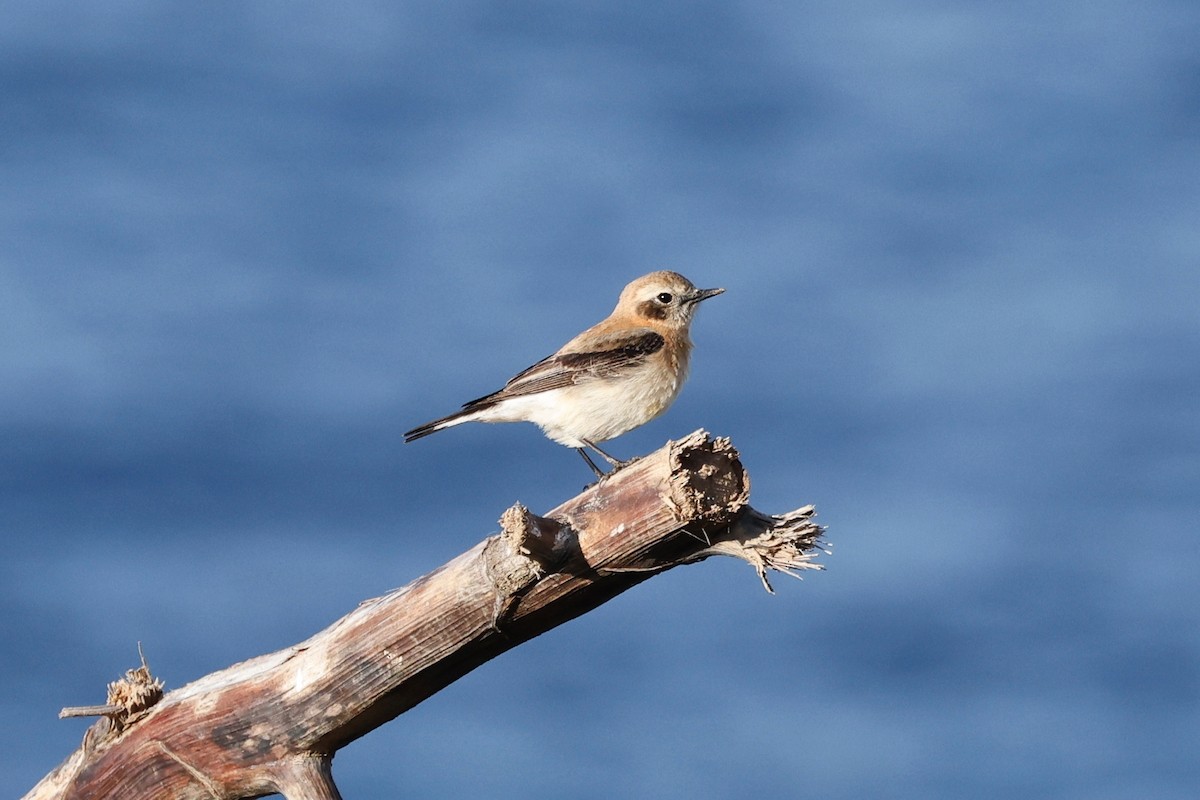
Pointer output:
244, 246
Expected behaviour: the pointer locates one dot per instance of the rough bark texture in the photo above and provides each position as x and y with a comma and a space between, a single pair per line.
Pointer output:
273, 723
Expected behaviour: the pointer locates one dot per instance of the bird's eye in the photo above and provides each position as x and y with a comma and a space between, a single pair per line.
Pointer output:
664, 298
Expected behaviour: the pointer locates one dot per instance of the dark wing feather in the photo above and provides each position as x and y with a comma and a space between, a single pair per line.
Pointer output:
613, 355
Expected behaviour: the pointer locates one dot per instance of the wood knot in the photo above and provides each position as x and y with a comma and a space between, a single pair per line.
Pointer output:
528, 546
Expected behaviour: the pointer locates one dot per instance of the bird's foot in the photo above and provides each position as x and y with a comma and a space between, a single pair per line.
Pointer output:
617, 466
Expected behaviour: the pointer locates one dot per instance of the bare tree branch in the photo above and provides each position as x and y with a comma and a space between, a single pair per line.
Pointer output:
272, 724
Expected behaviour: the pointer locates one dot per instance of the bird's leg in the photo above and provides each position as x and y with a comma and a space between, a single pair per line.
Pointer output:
590, 463
612, 462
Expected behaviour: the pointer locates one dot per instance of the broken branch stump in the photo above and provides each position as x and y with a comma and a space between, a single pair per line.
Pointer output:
273, 723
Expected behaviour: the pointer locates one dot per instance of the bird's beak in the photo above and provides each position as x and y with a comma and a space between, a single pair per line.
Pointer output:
704, 294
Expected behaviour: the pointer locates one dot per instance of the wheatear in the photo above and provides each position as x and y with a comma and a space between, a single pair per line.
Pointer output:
613, 377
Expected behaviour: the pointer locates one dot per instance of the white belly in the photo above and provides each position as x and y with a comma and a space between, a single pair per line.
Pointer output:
595, 410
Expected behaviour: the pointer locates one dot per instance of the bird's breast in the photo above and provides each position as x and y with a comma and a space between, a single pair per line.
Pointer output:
604, 408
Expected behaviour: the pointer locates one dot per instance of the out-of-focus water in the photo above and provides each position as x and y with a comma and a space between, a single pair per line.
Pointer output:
243, 247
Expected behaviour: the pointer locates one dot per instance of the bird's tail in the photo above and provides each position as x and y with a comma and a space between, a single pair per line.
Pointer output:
457, 418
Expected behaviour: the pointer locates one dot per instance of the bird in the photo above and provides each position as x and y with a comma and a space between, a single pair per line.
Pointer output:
613, 377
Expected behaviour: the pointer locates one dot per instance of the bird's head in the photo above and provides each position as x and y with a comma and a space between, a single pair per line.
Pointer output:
663, 298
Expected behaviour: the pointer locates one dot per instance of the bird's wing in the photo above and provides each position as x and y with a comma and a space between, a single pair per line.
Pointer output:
607, 356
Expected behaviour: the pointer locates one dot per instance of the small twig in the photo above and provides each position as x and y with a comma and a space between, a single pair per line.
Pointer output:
88, 711
130, 695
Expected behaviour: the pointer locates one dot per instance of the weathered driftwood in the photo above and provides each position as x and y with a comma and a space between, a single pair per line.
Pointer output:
272, 724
